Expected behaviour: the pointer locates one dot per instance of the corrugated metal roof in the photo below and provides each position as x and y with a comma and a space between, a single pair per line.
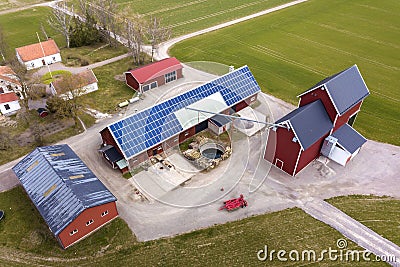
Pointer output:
346, 88
60, 185
349, 138
309, 122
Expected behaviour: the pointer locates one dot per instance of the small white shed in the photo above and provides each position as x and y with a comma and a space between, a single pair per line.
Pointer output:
219, 124
343, 145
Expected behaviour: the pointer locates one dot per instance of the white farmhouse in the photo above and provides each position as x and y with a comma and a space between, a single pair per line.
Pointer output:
86, 82
9, 81
9, 103
37, 55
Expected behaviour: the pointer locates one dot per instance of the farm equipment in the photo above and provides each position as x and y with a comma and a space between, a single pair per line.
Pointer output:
234, 203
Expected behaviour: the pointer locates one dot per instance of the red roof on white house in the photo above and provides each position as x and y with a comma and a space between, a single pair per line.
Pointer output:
7, 74
155, 69
8, 97
34, 51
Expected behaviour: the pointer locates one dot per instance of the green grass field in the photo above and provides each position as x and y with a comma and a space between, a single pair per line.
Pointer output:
291, 50
25, 238
19, 28
9, 4
111, 91
185, 16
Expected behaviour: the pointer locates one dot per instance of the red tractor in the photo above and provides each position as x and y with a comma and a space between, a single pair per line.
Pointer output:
234, 203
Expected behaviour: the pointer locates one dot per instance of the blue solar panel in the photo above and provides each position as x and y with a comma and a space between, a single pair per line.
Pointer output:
156, 124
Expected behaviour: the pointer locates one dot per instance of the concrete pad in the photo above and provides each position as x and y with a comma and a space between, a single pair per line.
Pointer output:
158, 180
251, 114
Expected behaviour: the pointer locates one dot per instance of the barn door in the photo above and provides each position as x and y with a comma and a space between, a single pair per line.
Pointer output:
279, 163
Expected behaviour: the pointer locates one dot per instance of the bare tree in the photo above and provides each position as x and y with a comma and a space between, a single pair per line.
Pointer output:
61, 21
156, 34
104, 13
66, 103
83, 5
23, 79
135, 34
44, 31
3, 46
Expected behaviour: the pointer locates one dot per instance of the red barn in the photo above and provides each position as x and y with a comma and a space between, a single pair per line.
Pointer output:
301, 134
154, 74
71, 199
167, 124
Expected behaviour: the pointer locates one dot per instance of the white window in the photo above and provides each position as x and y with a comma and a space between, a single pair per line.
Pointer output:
7, 106
104, 213
169, 77
90, 222
73, 232
186, 134
159, 148
176, 140
146, 87
153, 85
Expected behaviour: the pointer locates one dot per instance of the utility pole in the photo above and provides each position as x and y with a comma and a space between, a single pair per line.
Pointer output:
44, 55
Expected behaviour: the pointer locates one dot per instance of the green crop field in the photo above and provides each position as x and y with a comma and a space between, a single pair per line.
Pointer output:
291, 50
25, 239
185, 16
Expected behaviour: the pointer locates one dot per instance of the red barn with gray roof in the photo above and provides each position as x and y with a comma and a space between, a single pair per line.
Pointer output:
71, 199
322, 120
154, 74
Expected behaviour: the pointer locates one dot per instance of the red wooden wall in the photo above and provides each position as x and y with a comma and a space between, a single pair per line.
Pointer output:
79, 223
319, 94
345, 117
310, 154
131, 82
285, 150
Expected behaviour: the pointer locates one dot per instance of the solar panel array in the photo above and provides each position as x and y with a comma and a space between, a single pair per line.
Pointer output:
154, 125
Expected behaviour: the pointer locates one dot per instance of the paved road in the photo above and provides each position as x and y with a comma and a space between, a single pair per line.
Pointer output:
28, 7
352, 229
59, 66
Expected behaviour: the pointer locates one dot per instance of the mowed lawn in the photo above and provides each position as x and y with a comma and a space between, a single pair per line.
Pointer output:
185, 16
26, 240
9, 4
19, 28
291, 50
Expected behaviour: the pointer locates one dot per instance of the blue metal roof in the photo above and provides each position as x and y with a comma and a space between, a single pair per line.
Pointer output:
60, 185
156, 124
346, 88
349, 138
220, 120
309, 122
